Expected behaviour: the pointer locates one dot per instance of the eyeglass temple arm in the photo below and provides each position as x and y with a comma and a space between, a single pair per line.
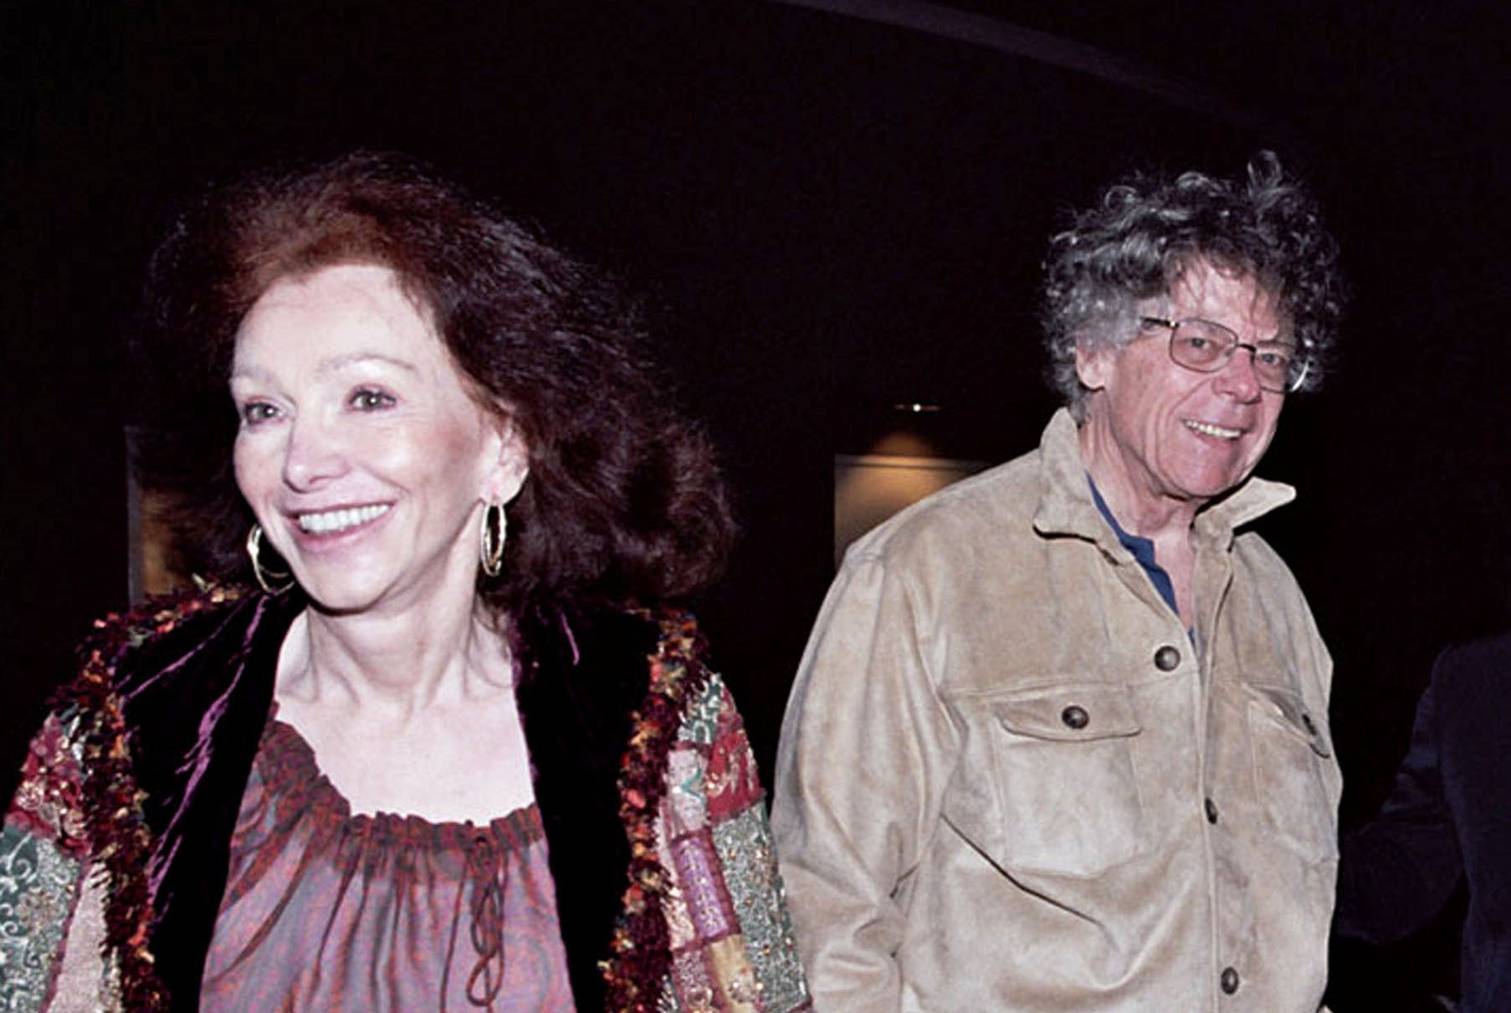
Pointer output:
1306, 367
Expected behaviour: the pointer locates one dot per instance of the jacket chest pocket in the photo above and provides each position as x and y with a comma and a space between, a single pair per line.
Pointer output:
1290, 753
1063, 762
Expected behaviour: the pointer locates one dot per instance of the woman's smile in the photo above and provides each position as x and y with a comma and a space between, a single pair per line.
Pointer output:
339, 520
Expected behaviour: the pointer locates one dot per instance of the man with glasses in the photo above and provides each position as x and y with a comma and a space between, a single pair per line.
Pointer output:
1059, 740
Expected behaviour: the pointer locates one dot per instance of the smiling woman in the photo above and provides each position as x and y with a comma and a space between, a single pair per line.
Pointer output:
363, 456
463, 744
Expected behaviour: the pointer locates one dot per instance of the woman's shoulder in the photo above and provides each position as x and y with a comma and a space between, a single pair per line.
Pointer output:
160, 644
681, 650
179, 615
684, 698
684, 701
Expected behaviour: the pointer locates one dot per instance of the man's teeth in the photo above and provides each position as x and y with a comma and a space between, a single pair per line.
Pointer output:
339, 520
1207, 429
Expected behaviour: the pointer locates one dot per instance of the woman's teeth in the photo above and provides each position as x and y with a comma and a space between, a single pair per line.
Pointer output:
327, 521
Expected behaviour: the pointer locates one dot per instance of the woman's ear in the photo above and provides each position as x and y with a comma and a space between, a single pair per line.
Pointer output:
509, 465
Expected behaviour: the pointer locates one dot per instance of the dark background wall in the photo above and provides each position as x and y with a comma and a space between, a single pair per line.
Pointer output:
831, 211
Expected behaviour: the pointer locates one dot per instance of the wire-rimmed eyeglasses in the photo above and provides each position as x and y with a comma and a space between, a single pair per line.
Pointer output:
1206, 347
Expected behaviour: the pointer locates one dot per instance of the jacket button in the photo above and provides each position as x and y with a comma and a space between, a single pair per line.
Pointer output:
1229, 980
1075, 717
1211, 808
1166, 658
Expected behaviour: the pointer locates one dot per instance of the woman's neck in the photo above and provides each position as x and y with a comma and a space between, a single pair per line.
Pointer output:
443, 652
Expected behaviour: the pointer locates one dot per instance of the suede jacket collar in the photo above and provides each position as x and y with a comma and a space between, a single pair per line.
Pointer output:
1067, 508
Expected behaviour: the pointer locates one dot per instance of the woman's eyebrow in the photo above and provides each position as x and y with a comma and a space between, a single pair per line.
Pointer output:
337, 363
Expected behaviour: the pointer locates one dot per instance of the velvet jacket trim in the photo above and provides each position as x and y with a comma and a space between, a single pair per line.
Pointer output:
602, 696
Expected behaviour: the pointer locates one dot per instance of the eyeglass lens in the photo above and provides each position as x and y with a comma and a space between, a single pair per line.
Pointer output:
1205, 346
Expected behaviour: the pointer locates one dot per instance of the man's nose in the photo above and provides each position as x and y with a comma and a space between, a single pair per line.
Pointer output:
1238, 377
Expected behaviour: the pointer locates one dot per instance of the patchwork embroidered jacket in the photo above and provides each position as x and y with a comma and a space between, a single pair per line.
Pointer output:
667, 890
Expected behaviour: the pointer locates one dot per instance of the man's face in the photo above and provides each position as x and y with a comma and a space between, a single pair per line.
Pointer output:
1176, 433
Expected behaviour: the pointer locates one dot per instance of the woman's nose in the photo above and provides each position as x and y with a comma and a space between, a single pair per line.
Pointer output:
313, 455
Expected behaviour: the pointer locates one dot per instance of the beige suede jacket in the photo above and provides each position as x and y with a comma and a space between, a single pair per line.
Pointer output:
1008, 780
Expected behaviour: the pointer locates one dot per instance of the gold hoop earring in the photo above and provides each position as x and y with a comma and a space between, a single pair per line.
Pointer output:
254, 550
491, 543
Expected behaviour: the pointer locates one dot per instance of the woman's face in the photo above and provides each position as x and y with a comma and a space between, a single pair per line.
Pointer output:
359, 450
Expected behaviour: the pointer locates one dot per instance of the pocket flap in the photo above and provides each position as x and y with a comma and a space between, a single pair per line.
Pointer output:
1069, 713
1288, 709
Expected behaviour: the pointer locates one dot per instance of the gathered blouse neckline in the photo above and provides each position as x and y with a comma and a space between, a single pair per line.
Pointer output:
293, 774
400, 910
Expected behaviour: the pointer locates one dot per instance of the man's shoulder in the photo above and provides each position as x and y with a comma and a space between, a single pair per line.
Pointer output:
1471, 686
1261, 559
959, 517
1492, 651
1264, 581
1481, 665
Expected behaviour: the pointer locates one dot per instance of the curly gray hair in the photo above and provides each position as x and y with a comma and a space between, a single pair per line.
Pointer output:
1148, 230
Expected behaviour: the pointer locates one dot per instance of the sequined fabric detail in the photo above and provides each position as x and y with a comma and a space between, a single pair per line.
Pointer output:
733, 783
708, 902
693, 981
679, 920
636, 969
119, 837
49, 800
702, 722
687, 772
750, 873
42, 853
680, 944
731, 964
732, 942
666, 998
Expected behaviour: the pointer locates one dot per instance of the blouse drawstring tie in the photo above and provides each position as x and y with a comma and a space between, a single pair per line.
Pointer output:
487, 931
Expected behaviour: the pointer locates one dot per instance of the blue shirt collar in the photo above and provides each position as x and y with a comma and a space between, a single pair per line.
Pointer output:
1142, 549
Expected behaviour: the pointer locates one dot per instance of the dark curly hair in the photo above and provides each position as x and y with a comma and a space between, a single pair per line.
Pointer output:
1148, 230
623, 502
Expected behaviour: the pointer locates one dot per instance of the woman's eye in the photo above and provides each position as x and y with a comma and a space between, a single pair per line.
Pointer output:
255, 412
368, 400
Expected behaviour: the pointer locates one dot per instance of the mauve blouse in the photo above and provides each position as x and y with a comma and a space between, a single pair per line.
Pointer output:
324, 910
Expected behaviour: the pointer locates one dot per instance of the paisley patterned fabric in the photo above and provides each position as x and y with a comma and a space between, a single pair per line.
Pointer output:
42, 859
39, 881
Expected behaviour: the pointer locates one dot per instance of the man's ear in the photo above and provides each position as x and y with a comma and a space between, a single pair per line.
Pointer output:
510, 463
1094, 364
